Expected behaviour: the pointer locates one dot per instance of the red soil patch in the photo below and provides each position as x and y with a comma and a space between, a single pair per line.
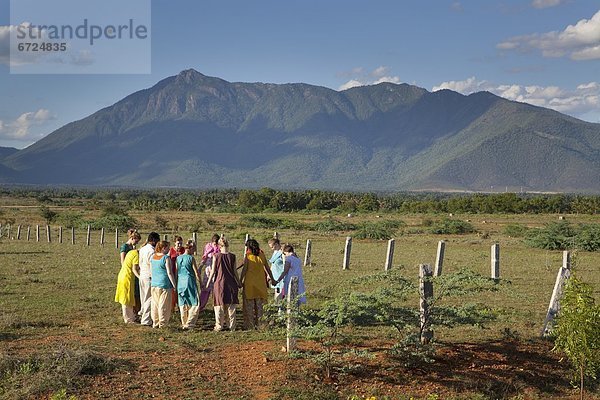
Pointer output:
258, 370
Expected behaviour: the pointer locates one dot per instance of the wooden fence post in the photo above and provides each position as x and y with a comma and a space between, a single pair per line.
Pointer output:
48, 233
0, 230
60, 234
563, 274
390, 254
8, 233
276, 235
307, 255
426, 295
102, 237
495, 261
73, 235
347, 250
292, 307
439, 258
37, 233
87, 240
28, 232
19, 232
117, 238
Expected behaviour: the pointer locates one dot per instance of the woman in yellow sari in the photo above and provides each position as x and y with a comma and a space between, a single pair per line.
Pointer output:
130, 269
254, 283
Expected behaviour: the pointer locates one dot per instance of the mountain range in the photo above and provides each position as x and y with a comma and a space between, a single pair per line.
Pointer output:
196, 131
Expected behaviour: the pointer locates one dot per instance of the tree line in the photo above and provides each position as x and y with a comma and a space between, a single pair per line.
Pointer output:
267, 199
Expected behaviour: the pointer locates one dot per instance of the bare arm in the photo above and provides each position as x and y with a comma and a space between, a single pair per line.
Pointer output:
244, 270
170, 272
136, 270
195, 268
235, 274
266, 267
211, 276
286, 269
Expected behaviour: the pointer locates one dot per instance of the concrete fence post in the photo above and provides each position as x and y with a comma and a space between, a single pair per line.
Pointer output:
389, 258
307, 255
495, 263
347, 250
439, 258
292, 307
564, 273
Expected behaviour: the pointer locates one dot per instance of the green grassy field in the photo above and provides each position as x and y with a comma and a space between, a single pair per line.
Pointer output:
60, 296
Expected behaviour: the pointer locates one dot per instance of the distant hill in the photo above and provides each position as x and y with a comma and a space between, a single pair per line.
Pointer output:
7, 151
7, 175
192, 130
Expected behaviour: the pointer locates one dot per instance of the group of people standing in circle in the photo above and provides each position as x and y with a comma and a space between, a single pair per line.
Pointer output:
157, 278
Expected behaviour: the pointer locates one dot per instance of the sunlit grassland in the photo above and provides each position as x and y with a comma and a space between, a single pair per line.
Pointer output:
52, 288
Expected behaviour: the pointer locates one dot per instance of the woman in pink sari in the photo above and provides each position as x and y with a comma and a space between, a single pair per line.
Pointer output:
210, 250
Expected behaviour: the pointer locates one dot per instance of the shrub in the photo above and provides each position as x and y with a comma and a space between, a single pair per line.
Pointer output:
451, 227
383, 230
161, 222
70, 219
113, 221
554, 236
260, 221
385, 304
588, 238
577, 330
515, 230
333, 225
48, 215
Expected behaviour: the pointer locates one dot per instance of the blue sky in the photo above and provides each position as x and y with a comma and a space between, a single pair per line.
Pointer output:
545, 52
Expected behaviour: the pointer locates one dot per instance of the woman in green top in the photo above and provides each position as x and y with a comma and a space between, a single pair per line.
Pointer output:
133, 238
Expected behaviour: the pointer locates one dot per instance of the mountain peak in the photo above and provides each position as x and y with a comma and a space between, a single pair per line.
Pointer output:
190, 76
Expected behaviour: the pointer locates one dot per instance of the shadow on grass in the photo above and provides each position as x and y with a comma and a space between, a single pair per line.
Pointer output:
498, 369
23, 252
5, 336
38, 324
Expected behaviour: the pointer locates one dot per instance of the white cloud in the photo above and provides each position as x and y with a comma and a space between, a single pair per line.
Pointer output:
467, 86
457, 6
21, 128
83, 58
358, 77
17, 58
584, 99
350, 84
380, 71
589, 53
546, 3
20, 58
578, 42
391, 79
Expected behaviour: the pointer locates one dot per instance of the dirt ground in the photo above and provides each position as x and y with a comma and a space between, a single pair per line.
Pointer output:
260, 370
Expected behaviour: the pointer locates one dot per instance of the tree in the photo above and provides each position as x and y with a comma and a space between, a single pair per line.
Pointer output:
48, 214
577, 330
